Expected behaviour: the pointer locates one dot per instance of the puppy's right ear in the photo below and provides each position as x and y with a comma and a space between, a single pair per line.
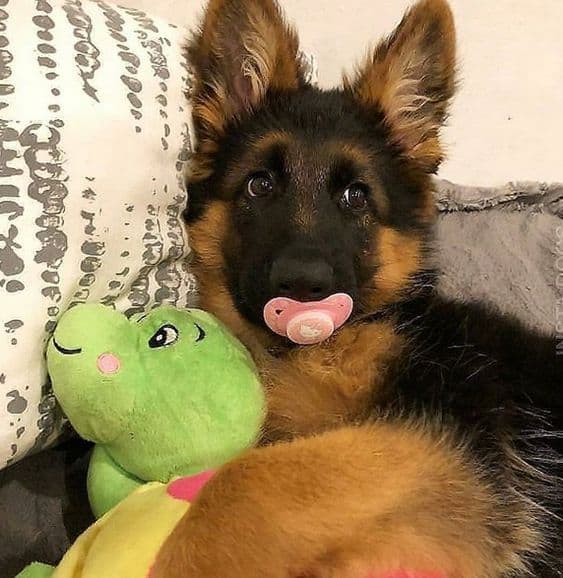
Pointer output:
410, 78
243, 49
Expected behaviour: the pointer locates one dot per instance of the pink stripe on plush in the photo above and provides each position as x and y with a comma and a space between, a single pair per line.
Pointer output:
188, 488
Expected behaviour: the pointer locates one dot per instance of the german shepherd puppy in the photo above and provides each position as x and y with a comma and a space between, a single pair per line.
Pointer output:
423, 435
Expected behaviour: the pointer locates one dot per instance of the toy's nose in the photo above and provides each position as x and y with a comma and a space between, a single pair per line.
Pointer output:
108, 363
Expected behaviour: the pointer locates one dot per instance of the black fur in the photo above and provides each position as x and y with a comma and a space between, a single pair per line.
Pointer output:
267, 227
496, 385
315, 116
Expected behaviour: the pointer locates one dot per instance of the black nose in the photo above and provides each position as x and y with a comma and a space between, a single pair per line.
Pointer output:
301, 279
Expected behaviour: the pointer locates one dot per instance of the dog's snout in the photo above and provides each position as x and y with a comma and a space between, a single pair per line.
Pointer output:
301, 279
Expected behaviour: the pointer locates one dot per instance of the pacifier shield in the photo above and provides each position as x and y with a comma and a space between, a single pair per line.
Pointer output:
309, 322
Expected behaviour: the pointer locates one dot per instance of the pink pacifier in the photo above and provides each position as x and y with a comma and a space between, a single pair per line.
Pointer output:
306, 323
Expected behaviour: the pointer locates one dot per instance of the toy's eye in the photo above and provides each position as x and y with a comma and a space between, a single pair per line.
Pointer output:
166, 335
200, 333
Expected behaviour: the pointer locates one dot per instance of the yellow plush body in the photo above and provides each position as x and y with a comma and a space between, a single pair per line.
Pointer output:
125, 541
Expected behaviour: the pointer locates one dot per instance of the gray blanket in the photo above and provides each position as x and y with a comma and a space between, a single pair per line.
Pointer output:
500, 245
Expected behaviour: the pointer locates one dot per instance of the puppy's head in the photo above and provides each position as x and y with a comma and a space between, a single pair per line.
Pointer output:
304, 193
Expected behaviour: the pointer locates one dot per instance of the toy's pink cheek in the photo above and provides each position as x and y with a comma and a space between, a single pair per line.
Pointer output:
108, 363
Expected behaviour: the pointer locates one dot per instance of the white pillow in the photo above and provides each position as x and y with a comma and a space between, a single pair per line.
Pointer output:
93, 142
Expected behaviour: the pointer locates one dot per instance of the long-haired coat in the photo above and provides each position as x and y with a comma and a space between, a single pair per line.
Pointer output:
424, 434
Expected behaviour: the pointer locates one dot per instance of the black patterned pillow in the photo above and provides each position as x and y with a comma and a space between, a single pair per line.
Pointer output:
93, 142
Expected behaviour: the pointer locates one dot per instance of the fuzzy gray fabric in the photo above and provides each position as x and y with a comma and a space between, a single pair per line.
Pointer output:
499, 245
43, 506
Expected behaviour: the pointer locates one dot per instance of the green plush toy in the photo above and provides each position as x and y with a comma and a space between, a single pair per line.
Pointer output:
167, 397
167, 394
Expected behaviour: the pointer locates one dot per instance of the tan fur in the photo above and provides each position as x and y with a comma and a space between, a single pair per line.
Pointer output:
398, 256
342, 504
394, 77
333, 381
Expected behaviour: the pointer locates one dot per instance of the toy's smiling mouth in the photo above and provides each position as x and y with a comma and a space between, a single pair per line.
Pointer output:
64, 350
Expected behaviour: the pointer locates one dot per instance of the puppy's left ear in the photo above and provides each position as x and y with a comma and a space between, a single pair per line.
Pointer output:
410, 78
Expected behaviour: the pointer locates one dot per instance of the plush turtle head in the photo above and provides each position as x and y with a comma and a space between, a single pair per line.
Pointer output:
168, 393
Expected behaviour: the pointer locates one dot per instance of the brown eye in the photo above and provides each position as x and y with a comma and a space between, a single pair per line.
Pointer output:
260, 185
354, 197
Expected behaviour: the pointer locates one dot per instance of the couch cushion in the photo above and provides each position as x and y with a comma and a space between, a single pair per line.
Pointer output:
93, 142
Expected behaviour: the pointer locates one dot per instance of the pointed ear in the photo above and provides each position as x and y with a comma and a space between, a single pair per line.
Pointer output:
410, 79
243, 49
